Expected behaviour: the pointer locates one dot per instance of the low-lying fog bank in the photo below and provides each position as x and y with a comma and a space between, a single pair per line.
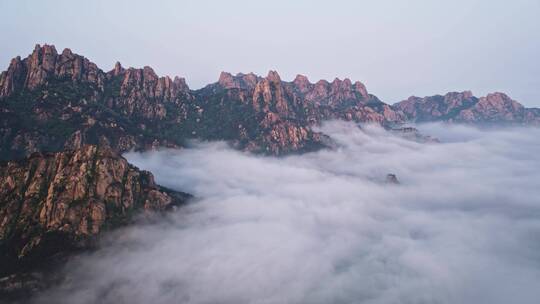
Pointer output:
463, 225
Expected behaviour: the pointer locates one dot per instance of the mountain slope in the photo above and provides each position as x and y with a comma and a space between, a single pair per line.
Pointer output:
54, 203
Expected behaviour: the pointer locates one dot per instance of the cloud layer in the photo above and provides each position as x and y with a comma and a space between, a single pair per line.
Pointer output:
462, 227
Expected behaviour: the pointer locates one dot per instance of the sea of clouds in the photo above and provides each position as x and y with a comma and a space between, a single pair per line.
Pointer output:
463, 225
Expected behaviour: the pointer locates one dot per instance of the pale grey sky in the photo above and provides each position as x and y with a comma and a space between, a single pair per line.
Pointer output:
397, 48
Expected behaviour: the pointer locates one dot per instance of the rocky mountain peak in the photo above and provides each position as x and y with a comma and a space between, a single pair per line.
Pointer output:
15, 61
361, 88
338, 92
240, 81
497, 97
346, 83
339, 85
321, 87
467, 94
500, 102
180, 83
41, 63
225, 79
46, 49
273, 76
44, 64
302, 83
67, 52
142, 83
250, 79
465, 107
301, 80
12, 79
118, 69
458, 95
149, 72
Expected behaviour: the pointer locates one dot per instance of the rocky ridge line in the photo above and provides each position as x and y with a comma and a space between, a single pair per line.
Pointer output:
464, 107
51, 101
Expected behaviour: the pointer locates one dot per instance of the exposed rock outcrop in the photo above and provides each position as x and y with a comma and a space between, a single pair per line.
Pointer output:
391, 179
414, 135
282, 113
465, 108
54, 203
44, 65
240, 81
497, 108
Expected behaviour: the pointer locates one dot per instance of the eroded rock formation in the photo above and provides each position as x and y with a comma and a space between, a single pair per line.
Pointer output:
53, 203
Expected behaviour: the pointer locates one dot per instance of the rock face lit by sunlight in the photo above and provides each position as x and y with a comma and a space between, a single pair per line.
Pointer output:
462, 225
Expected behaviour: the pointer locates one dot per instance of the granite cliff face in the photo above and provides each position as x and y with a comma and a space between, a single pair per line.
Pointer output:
43, 65
495, 108
55, 203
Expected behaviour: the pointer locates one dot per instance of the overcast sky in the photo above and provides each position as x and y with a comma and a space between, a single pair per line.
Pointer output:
397, 48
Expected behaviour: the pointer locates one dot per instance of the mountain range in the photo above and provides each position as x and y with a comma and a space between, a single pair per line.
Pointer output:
51, 102
64, 123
